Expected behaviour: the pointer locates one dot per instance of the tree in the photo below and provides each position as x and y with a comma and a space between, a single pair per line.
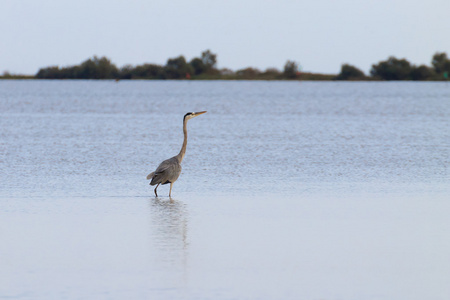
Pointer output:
248, 73
226, 72
441, 63
349, 72
422, 72
198, 66
271, 73
290, 69
392, 69
95, 68
126, 72
98, 68
209, 60
177, 68
148, 71
204, 64
52, 72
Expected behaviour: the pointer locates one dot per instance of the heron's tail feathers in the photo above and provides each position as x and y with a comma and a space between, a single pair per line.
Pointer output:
149, 176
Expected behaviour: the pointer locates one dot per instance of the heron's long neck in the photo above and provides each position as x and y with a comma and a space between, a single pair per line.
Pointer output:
180, 156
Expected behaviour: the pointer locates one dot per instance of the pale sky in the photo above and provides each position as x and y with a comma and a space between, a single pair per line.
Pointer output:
320, 35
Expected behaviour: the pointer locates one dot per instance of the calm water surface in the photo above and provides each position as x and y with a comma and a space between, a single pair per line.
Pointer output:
289, 190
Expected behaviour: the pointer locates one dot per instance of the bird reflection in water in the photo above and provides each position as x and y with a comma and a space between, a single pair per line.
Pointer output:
170, 228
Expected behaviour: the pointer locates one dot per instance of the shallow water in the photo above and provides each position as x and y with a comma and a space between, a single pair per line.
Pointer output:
289, 190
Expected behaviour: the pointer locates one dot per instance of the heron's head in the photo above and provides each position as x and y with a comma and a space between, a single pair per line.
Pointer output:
191, 115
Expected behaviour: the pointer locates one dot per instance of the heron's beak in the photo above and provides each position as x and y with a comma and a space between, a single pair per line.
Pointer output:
199, 113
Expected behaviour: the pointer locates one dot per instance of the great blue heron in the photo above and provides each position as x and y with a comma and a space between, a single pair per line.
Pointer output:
169, 170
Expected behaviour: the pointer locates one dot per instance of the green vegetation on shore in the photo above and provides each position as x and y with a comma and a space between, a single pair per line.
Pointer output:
7, 75
204, 68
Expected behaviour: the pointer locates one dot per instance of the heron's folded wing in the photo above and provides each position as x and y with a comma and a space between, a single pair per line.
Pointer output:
165, 171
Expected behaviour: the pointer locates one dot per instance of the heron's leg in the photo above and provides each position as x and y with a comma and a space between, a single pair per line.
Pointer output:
170, 192
155, 190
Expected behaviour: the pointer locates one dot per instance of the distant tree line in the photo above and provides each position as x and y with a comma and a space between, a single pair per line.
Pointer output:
205, 67
7, 75
401, 69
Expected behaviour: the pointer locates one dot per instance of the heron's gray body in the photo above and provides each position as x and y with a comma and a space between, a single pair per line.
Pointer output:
169, 170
